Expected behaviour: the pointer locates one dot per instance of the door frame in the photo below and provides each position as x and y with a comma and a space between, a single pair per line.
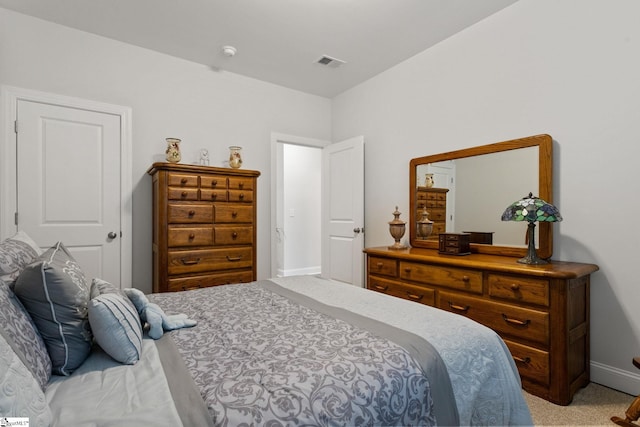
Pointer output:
276, 199
10, 96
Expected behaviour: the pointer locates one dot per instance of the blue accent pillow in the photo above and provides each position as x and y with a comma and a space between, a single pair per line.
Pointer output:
56, 295
23, 337
115, 322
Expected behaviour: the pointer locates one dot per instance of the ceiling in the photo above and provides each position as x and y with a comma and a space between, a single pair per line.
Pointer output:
277, 41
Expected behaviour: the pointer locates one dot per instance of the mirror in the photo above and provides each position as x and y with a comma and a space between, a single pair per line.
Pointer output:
471, 188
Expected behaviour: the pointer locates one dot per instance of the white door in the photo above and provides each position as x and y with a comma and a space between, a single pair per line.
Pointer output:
343, 211
69, 183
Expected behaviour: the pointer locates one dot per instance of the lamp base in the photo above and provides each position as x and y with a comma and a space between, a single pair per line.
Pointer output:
532, 256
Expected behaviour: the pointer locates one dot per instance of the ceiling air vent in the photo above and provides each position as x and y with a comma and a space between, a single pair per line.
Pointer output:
329, 61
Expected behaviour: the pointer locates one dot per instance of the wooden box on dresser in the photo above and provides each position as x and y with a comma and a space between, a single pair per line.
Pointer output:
204, 226
541, 312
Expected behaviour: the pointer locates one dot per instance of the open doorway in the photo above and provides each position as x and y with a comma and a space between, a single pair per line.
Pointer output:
296, 205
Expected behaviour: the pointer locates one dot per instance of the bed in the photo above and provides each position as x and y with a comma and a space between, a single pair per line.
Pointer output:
285, 351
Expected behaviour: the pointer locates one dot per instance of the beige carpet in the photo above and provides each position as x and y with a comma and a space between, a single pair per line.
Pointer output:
593, 405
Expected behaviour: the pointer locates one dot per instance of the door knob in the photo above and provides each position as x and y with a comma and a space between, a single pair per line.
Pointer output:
356, 230
112, 235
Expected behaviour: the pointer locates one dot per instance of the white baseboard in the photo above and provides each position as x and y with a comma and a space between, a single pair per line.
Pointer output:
299, 271
615, 378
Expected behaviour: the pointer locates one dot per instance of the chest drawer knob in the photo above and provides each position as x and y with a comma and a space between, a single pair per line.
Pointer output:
184, 194
379, 265
516, 322
190, 261
457, 307
515, 287
465, 278
183, 181
241, 196
192, 236
214, 196
525, 360
192, 213
241, 185
234, 235
214, 182
414, 297
234, 214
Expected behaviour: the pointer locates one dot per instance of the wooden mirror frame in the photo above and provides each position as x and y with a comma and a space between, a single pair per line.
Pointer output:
545, 191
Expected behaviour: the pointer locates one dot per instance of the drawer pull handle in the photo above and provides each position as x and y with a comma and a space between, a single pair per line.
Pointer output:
234, 214
192, 236
214, 196
515, 287
234, 258
414, 296
516, 322
525, 360
214, 182
458, 307
192, 213
379, 265
381, 288
190, 261
465, 278
234, 235
407, 270
183, 181
184, 194
241, 196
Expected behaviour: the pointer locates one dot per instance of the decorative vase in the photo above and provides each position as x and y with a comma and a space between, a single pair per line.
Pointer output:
428, 180
397, 227
173, 150
235, 157
424, 226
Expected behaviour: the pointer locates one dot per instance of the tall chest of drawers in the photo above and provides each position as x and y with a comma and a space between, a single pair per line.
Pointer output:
434, 200
204, 226
541, 312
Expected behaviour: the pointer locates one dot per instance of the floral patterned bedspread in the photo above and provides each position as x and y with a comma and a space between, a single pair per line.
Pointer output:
260, 358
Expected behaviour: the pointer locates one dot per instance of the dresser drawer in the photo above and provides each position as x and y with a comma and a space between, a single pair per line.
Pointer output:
384, 266
182, 180
415, 293
181, 262
531, 362
190, 236
213, 195
177, 193
521, 289
232, 235
195, 282
518, 322
456, 278
189, 213
245, 196
232, 213
216, 182
239, 183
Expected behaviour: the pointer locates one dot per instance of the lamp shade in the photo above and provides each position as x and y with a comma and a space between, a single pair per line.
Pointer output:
531, 209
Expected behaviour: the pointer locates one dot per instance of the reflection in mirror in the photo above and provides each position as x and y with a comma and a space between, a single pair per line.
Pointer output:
466, 191
472, 204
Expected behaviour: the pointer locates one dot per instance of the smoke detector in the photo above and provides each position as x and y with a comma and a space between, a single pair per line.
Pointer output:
229, 51
329, 61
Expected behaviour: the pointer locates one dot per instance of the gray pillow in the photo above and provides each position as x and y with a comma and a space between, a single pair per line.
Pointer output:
23, 337
115, 322
16, 252
54, 292
20, 394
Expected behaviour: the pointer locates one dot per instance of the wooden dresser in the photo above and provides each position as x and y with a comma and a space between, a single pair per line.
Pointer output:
435, 200
541, 312
204, 226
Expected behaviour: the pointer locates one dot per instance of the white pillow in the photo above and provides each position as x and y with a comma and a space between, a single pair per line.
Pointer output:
20, 393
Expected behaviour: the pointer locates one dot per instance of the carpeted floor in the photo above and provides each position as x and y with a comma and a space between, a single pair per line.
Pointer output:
593, 405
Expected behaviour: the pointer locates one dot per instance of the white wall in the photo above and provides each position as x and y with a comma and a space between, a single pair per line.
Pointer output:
567, 68
170, 98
